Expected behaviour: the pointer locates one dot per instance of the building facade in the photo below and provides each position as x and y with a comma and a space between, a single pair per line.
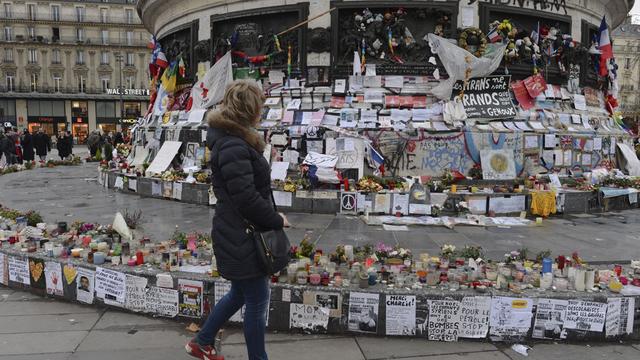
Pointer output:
72, 65
626, 45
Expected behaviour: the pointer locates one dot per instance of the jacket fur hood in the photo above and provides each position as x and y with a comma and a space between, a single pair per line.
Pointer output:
225, 126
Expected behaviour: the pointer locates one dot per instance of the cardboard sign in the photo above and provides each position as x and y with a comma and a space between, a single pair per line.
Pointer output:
308, 317
487, 97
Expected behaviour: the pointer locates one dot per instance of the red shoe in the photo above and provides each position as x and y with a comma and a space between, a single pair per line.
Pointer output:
202, 352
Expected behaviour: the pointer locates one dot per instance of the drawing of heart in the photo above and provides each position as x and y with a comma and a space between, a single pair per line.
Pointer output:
70, 273
36, 270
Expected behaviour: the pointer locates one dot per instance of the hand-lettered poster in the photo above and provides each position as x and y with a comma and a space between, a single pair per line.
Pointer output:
4, 270
135, 298
161, 301
19, 270
312, 318
444, 320
586, 315
486, 97
110, 286
510, 318
474, 317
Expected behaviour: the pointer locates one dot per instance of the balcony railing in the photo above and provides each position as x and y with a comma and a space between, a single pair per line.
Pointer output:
74, 18
52, 90
74, 41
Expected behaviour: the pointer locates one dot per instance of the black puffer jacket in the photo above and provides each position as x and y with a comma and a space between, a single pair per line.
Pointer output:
241, 183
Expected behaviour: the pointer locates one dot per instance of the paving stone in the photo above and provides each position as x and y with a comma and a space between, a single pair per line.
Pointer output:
636, 346
22, 296
58, 356
582, 352
381, 348
173, 353
45, 307
43, 323
343, 349
101, 340
488, 355
40, 343
235, 336
120, 320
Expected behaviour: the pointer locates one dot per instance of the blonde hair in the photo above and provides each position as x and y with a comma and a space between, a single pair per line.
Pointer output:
243, 101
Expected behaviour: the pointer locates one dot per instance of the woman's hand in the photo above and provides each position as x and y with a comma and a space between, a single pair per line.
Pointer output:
285, 220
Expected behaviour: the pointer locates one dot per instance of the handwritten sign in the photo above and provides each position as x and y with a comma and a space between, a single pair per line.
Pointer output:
162, 301
84, 285
401, 314
486, 98
190, 298
135, 297
4, 271
110, 285
586, 315
474, 317
510, 317
550, 318
53, 276
308, 317
620, 313
444, 321
19, 270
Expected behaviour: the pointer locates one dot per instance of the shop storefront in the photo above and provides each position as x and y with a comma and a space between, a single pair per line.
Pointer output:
106, 118
48, 115
8, 111
80, 121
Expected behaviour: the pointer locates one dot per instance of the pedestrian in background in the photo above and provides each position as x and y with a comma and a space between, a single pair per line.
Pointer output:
42, 144
242, 183
27, 146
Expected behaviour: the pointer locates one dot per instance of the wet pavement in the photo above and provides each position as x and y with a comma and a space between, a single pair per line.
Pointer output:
71, 193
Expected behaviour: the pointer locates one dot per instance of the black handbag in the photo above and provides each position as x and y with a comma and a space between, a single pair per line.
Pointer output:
272, 247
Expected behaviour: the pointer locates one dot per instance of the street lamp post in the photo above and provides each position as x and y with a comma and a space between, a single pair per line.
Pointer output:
120, 59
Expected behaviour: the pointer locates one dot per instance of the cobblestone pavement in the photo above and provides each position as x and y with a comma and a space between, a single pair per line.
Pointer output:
72, 193
34, 328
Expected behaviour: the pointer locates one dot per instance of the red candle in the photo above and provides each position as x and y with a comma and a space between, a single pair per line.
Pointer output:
139, 258
561, 261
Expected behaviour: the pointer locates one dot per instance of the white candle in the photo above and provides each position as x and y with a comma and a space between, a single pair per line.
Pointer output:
579, 282
348, 252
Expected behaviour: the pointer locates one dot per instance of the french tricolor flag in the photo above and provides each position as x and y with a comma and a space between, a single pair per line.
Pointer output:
161, 59
606, 51
494, 36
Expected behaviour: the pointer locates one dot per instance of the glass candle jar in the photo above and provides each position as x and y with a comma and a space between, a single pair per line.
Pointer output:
315, 279
302, 277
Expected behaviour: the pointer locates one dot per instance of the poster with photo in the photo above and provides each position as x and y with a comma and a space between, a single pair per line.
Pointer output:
53, 277
401, 315
84, 285
329, 300
161, 301
19, 270
135, 298
311, 318
586, 315
444, 320
620, 313
550, 317
363, 312
510, 317
190, 298
474, 317
4, 270
110, 286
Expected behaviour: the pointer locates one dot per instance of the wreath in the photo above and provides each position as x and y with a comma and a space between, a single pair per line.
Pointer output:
470, 33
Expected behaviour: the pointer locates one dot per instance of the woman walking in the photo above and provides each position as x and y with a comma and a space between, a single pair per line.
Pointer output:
27, 146
242, 183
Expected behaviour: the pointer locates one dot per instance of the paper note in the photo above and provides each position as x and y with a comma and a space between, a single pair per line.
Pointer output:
585, 315
164, 157
549, 141
531, 142
135, 293
468, 16
597, 143
279, 170
276, 77
308, 317
161, 301
19, 270
363, 312
579, 102
196, 116
84, 285
110, 285
401, 315
283, 198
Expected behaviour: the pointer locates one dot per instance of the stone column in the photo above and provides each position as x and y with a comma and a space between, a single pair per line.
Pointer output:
68, 70
141, 74
92, 69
